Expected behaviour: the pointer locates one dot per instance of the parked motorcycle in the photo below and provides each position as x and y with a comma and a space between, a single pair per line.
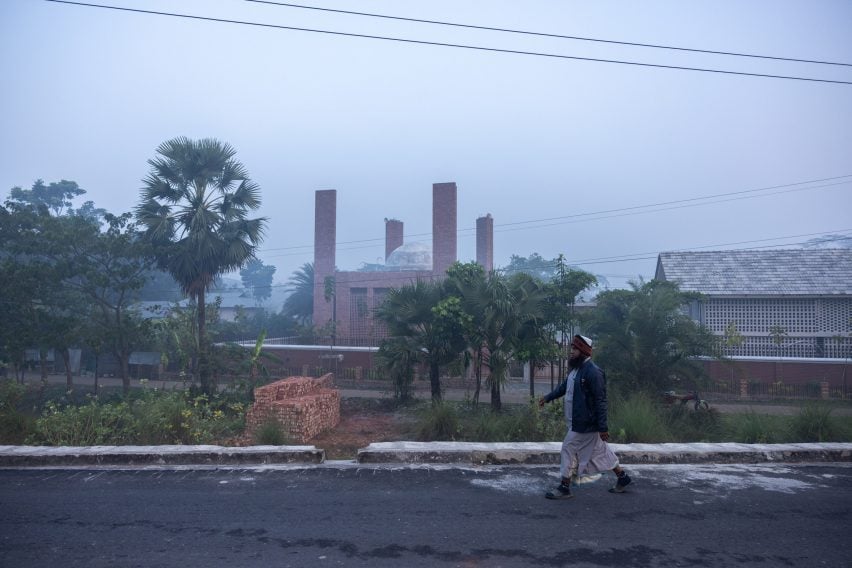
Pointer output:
699, 403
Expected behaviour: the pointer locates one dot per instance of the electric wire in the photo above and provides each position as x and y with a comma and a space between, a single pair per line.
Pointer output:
550, 35
605, 213
455, 45
376, 277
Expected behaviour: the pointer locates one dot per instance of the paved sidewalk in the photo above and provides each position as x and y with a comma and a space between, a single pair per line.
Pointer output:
415, 453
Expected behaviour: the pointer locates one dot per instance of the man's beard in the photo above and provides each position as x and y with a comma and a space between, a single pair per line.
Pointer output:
575, 362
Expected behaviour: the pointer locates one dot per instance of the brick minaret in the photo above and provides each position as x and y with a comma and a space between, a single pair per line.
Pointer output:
444, 226
485, 242
393, 236
325, 241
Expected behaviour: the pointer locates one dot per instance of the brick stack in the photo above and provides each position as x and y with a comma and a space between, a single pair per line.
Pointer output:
303, 406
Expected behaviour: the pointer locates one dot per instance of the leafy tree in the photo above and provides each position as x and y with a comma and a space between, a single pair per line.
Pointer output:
421, 316
160, 287
535, 265
258, 277
299, 305
109, 268
46, 312
732, 336
195, 205
778, 335
56, 197
644, 340
562, 292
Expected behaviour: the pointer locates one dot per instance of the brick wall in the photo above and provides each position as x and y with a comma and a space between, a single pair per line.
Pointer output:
303, 406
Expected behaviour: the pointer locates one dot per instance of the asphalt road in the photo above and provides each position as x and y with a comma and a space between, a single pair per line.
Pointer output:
705, 516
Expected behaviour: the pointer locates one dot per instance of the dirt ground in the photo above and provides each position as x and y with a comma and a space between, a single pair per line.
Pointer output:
363, 421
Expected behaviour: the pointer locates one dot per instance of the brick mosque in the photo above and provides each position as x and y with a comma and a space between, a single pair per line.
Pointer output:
357, 293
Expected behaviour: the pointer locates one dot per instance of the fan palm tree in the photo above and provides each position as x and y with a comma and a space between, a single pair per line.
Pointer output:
194, 207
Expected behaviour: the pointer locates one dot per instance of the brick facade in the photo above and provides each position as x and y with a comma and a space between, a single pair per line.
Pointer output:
393, 236
444, 226
325, 241
358, 293
485, 242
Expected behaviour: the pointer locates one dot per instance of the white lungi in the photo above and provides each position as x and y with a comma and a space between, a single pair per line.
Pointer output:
586, 453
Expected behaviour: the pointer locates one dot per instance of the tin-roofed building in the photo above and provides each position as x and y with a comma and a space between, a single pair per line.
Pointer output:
770, 303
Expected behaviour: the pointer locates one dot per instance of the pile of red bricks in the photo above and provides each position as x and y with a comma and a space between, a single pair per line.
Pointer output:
303, 406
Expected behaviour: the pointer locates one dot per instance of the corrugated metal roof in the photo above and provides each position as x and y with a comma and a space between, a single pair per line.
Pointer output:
795, 272
145, 358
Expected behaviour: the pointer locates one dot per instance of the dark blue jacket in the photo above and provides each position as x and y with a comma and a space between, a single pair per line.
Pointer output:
590, 405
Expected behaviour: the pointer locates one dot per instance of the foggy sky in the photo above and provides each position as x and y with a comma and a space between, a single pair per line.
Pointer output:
88, 94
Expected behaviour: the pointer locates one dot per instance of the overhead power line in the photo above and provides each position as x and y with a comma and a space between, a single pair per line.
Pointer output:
455, 45
550, 35
374, 277
617, 212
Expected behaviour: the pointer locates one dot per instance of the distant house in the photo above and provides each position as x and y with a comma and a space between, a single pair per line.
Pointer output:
770, 303
234, 300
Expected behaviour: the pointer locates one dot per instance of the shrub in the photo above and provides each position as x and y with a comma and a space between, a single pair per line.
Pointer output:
146, 418
637, 419
754, 428
14, 425
688, 425
271, 433
88, 425
440, 422
551, 422
814, 423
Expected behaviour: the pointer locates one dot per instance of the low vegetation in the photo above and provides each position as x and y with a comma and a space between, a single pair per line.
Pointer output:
637, 419
49, 415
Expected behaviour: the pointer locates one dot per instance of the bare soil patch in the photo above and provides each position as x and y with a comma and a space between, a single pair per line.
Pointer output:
363, 421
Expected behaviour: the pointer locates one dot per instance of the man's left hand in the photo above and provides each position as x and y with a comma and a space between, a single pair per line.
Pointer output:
604, 436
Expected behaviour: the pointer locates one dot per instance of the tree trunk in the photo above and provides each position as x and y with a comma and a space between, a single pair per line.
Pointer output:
124, 361
478, 372
97, 360
42, 364
66, 359
496, 402
203, 363
532, 379
435, 380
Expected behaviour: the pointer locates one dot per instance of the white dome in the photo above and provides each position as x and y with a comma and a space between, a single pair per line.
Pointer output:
410, 256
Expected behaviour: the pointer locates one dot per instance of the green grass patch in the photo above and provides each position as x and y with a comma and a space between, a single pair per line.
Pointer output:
271, 433
815, 423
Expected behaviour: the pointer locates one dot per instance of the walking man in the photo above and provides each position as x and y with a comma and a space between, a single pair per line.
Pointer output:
585, 443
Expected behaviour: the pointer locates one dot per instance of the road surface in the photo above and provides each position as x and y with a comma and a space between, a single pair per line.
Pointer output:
347, 515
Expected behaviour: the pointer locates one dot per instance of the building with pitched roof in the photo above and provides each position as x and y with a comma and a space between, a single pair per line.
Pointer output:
794, 303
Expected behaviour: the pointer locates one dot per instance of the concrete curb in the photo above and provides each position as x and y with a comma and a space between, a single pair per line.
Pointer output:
548, 453
466, 453
37, 456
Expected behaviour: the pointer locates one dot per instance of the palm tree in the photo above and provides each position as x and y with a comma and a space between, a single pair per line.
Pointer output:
194, 206
300, 303
428, 320
507, 311
644, 340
